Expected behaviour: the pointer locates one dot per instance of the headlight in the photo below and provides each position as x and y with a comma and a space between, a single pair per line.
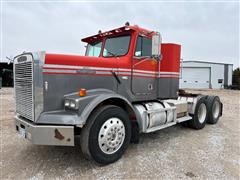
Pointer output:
70, 103
67, 103
73, 104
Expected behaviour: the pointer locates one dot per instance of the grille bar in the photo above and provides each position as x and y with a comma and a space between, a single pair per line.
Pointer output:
23, 82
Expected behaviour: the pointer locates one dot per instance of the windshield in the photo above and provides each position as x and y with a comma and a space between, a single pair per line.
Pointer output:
94, 49
116, 46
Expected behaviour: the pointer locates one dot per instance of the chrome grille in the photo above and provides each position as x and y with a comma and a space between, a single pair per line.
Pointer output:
23, 82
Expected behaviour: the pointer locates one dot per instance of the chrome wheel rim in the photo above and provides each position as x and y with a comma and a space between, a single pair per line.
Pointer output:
111, 135
216, 109
202, 113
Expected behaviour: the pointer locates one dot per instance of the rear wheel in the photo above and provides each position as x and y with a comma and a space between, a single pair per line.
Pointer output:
106, 135
214, 109
200, 114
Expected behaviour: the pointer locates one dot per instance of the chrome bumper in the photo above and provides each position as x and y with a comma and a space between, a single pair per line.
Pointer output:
45, 134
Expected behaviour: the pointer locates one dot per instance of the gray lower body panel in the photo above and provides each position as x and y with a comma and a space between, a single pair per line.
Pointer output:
62, 84
163, 88
53, 95
168, 88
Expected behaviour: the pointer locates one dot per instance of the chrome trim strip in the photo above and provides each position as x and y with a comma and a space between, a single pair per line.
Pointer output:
39, 60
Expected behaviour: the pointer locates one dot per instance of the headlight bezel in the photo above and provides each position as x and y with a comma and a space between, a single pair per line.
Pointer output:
70, 104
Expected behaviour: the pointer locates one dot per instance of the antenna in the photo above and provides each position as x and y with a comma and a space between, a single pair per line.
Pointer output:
9, 60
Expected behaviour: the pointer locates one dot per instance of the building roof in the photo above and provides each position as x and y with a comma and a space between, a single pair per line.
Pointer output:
207, 62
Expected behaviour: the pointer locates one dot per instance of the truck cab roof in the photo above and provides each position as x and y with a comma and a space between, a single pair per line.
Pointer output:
118, 31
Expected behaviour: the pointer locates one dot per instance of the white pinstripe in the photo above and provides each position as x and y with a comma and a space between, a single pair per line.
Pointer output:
54, 68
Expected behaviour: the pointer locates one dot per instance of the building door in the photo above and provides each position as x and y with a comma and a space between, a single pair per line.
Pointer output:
195, 77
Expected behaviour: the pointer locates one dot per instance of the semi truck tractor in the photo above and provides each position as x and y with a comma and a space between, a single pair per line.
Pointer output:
127, 83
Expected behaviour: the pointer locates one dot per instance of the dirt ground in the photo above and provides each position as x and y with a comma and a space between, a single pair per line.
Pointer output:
173, 153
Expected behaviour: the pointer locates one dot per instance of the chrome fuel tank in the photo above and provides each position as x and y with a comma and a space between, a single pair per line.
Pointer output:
154, 114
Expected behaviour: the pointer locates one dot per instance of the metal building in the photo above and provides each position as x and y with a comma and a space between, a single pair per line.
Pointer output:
203, 75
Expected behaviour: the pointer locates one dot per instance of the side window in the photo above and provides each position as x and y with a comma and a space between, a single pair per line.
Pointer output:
144, 47
138, 51
94, 49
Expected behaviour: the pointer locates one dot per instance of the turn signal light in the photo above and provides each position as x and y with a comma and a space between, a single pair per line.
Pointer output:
82, 92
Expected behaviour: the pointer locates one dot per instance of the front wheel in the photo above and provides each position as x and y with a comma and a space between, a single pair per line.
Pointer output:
106, 135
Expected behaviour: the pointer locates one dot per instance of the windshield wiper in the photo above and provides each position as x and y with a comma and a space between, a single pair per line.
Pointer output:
115, 55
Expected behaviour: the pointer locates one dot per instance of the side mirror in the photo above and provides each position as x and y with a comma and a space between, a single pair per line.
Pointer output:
156, 46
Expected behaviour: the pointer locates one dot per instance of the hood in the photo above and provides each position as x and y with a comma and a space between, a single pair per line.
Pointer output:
75, 60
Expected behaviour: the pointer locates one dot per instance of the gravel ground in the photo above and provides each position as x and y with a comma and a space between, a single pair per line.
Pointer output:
173, 153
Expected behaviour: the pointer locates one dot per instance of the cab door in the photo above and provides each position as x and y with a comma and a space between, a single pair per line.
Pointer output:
144, 68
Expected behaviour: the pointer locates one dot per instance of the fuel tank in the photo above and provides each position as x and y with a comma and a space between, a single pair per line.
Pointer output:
152, 114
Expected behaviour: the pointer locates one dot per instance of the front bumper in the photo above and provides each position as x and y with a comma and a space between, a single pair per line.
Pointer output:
45, 134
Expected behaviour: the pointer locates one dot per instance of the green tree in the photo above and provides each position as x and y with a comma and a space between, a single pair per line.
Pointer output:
236, 78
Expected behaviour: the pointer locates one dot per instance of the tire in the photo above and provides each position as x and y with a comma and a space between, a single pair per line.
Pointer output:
106, 135
214, 107
200, 116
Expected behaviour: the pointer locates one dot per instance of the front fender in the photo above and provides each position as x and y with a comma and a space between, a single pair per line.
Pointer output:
86, 106
97, 97
98, 100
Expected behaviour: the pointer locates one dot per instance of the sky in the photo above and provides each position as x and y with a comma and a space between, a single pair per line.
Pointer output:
207, 31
